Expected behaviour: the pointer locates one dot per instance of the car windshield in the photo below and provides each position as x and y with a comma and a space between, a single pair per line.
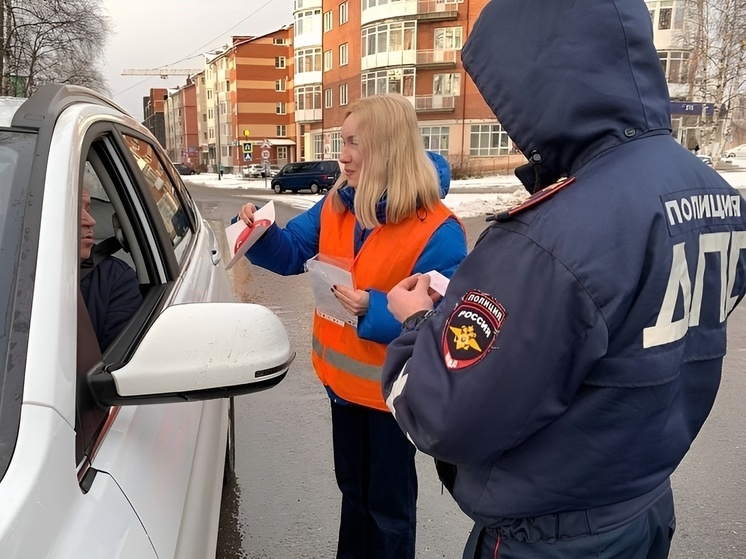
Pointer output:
16, 154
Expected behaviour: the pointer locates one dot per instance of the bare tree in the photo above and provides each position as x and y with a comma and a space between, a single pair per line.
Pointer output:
716, 34
52, 41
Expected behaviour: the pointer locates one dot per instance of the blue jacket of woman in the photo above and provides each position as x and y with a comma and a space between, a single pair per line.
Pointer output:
285, 252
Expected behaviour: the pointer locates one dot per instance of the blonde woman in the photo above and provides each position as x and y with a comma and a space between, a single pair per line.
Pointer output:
385, 217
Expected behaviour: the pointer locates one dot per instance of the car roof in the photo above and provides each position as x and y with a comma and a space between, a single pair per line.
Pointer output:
46, 104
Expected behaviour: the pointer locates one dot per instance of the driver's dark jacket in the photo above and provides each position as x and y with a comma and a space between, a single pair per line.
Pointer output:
112, 295
580, 345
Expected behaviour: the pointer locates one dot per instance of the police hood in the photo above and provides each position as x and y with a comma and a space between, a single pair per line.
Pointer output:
568, 79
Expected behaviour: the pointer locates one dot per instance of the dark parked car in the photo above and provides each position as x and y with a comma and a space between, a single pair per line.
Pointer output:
315, 176
184, 169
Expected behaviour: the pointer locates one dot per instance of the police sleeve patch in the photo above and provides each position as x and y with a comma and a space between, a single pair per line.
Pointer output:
471, 330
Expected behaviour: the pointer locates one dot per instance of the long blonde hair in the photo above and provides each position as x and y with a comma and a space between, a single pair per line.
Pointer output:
395, 163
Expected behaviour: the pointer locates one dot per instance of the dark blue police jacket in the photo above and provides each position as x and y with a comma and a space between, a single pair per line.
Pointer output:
579, 347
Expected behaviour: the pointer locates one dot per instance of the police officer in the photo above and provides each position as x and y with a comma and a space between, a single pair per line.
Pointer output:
579, 347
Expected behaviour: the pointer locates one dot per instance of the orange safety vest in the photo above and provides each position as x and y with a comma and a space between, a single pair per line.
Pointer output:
349, 365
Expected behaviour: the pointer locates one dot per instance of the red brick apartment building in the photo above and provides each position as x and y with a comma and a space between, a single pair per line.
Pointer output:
152, 110
180, 112
244, 99
285, 93
349, 49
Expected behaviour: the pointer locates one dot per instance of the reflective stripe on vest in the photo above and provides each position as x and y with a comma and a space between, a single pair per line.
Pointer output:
349, 365
345, 362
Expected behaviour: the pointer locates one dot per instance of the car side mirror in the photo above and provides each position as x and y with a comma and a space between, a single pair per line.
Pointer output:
199, 351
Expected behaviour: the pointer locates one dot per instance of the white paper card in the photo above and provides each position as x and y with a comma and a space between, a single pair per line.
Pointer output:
438, 282
241, 237
323, 276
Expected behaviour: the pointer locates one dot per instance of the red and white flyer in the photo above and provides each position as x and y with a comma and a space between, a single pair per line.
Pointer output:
241, 237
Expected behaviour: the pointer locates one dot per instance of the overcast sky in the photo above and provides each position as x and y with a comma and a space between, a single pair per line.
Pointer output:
154, 33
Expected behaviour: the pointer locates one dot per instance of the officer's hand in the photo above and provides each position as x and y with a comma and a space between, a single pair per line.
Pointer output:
355, 301
247, 213
410, 296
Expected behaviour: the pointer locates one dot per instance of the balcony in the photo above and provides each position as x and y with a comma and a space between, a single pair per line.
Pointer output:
439, 58
308, 115
424, 59
436, 10
427, 10
434, 103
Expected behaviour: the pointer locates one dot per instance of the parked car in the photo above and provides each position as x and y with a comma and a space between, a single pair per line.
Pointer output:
315, 176
706, 159
184, 169
253, 171
738, 151
117, 453
270, 171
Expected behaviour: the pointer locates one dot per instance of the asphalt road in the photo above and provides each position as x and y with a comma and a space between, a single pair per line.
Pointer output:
284, 504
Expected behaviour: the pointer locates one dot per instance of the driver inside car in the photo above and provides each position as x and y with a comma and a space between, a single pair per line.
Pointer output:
109, 286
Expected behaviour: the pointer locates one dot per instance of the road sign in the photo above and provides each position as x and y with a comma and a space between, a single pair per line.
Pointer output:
266, 144
247, 132
247, 157
247, 147
265, 154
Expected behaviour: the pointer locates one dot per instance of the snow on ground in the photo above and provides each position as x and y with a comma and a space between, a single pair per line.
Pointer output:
491, 194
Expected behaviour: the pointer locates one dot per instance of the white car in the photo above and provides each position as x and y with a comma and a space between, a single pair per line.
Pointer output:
120, 455
253, 171
738, 151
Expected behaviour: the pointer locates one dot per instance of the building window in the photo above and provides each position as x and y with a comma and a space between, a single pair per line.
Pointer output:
279, 61
448, 38
664, 18
447, 84
336, 145
282, 153
397, 80
397, 36
280, 108
307, 97
227, 85
488, 140
343, 13
327, 98
279, 85
327, 60
343, 54
308, 60
209, 93
675, 66
327, 21
306, 22
343, 94
436, 138
279, 42
281, 131
318, 146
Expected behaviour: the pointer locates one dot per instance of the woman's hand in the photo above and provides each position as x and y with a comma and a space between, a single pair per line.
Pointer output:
246, 214
355, 301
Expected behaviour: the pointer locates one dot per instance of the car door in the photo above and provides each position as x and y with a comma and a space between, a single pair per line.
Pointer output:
53, 503
167, 459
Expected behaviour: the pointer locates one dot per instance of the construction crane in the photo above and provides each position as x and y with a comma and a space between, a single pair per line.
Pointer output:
164, 73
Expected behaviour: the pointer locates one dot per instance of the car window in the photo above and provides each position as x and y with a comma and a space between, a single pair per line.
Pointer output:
121, 214
162, 188
16, 229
